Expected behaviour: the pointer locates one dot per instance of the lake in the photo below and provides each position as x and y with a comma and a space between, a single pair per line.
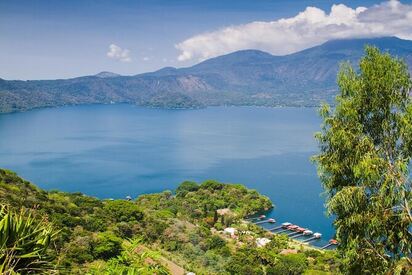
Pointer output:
111, 151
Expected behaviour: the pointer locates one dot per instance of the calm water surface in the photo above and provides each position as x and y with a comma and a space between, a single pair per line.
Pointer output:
117, 150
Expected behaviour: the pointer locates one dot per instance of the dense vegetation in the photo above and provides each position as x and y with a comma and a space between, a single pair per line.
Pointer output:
242, 78
155, 233
364, 164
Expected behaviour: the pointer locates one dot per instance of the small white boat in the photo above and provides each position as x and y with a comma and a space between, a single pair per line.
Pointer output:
317, 235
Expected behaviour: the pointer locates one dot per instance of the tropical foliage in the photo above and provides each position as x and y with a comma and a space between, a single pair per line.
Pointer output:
128, 262
160, 232
24, 243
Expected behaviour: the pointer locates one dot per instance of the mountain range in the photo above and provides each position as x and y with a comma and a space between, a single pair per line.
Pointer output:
247, 77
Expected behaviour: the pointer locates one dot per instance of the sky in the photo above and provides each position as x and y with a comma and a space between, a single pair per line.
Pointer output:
44, 39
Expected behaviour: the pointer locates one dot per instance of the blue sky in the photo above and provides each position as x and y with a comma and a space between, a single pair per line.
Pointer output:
59, 39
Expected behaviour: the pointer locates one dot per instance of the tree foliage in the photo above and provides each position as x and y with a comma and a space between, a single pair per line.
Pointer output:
128, 237
131, 261
366, 150
123, 211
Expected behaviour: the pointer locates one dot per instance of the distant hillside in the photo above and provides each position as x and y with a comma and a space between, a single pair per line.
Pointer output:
248, 77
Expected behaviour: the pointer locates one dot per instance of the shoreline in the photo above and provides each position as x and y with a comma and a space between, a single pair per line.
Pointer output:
158, 108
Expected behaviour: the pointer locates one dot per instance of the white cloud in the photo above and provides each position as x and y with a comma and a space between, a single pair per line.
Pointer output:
117, 53
146, 58
310, 27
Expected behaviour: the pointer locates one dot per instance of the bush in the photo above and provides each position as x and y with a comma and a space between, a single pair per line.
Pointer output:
292, 264
79, 250
244, 262
218, 226
123, 211
107, 245
215, 242
212, 185
185, 187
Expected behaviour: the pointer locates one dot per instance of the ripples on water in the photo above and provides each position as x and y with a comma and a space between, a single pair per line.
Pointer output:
118, 150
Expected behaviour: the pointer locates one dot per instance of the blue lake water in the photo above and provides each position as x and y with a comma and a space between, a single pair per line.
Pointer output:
111, 151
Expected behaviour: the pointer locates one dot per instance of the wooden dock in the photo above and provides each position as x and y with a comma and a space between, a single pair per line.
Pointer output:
316, 236
266, 221
275, 228
331, 242
294, 231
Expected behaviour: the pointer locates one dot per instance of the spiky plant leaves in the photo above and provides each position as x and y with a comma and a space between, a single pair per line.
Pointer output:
24, 242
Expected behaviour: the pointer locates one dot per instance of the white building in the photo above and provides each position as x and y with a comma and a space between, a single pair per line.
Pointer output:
261, 242
230, 230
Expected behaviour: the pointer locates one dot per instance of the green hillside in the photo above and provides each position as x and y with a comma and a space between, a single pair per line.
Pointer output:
156, 233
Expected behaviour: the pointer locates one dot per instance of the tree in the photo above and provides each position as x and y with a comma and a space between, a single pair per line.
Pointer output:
123, 211
215, 242
186, 187
366, 150
245, 261
107, 245
133, 260
292, 264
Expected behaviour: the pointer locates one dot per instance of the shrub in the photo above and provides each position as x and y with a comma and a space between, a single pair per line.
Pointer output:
123, 211
215, 242
185, 187
292, 264
107, 245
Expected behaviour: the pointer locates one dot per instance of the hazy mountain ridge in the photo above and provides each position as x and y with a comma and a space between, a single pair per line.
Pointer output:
105, 74
248, 77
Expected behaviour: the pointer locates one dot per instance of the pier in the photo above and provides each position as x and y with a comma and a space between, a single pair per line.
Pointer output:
316, 236
261, 217
284, 225
297, 231
275, 228
265, 221
331, 242
292, 231
293, 234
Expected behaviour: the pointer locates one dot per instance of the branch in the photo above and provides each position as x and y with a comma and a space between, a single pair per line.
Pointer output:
376, 252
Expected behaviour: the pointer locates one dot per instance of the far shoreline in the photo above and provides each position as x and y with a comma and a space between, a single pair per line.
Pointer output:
160, 108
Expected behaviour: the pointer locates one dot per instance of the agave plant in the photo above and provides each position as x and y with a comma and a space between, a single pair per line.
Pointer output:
24, 242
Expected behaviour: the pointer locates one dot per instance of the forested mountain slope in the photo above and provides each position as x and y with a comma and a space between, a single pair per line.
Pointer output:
248, 77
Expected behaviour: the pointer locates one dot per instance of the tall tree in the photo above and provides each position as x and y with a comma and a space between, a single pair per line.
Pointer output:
364, 164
